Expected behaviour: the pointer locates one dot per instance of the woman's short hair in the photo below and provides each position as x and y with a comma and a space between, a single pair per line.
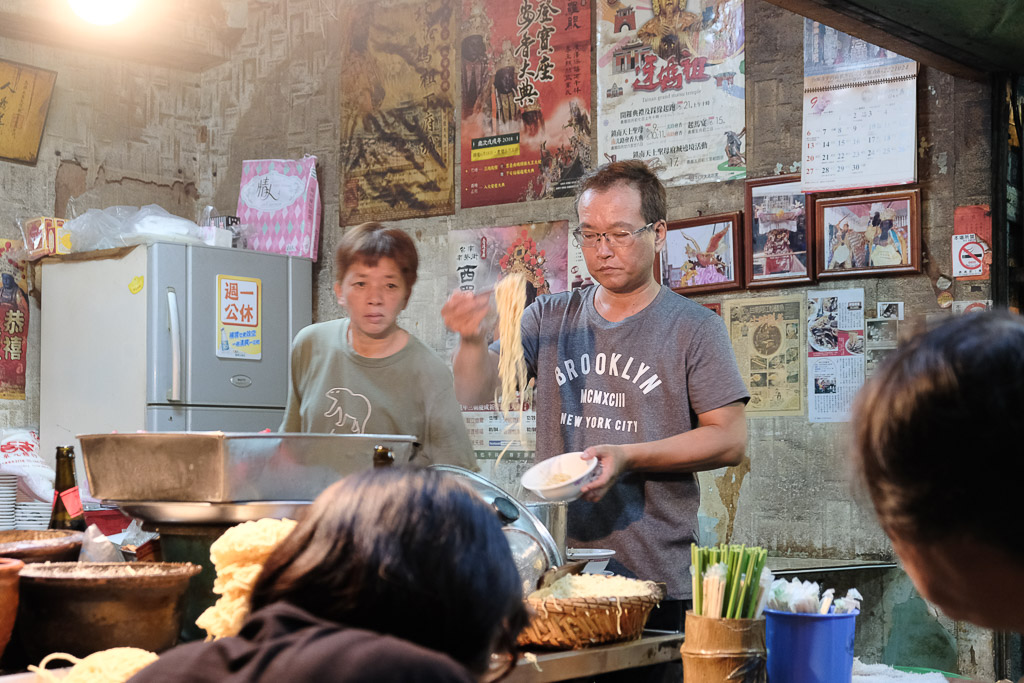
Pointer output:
369, 242
936, 433
404, 552
634, 173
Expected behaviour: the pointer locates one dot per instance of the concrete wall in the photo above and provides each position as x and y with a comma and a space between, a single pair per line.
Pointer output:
121, 132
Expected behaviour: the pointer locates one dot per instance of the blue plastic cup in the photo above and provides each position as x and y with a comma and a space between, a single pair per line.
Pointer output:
809, 648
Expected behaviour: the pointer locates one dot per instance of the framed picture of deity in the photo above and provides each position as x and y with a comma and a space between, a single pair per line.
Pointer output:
702, 254
778, 232
869, 234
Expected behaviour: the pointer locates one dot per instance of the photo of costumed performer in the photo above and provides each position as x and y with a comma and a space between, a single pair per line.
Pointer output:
631, 373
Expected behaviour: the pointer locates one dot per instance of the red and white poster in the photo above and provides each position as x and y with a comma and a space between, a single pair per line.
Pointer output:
671, 87
239, 317
972, 242
526, 124
13, 323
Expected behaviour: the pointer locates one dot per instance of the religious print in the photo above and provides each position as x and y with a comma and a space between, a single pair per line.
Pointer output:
397, 145
778, 235
869, 234
13, 323
671, 83
479, 258
525, 111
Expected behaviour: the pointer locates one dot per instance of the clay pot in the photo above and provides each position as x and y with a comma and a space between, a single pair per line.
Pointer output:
9, 569
84, 607
44, 545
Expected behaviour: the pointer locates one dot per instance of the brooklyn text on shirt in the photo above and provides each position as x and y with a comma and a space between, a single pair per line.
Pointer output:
610, 364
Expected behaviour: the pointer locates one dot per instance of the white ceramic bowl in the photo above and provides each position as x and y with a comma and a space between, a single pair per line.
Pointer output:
547, 479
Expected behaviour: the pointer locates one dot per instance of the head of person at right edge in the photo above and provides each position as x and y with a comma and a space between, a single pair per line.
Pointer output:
621, 208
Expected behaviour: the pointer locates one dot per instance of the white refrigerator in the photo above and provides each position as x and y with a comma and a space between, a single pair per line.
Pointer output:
167, 337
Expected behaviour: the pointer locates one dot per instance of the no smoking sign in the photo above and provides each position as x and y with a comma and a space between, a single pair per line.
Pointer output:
968, 255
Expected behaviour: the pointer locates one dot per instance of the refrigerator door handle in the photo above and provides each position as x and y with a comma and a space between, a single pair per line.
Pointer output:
174, 393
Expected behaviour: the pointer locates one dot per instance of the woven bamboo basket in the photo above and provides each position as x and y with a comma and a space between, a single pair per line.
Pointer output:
574, 623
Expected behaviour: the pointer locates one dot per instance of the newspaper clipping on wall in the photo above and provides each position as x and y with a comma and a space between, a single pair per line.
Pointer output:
670, 79
766, 335
835, 353
882, 336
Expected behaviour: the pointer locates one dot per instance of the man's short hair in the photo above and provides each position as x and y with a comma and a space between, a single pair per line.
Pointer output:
370, 242
636, 174
936, 433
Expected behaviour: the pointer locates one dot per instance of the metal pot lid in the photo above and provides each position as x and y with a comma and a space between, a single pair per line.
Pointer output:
517, 520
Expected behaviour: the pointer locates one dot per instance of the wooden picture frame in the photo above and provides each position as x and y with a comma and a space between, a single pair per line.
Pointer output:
869, 234
778, 232
702, 254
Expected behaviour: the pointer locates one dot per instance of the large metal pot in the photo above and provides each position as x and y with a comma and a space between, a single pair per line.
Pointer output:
533, 549
554, 516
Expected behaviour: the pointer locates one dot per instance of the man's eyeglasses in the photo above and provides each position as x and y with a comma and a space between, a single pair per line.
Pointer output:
620, 238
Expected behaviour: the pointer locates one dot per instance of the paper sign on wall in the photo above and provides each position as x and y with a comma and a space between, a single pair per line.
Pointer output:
239, 317
968, 255
972, 236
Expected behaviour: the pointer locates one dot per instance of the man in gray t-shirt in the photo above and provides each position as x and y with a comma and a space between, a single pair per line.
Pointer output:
627, 371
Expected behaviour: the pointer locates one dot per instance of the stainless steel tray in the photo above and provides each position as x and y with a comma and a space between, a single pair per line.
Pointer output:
225, 467
158, 511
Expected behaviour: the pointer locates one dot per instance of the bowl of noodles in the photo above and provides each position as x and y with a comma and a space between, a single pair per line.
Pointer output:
562, 477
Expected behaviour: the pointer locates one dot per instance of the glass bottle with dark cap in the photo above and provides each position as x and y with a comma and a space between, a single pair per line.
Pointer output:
67, 504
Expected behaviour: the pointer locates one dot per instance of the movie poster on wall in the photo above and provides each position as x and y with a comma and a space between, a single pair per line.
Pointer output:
525, 112
478, 260
670, 79
397, 110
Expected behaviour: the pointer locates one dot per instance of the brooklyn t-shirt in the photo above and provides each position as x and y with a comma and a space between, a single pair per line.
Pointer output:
641, 379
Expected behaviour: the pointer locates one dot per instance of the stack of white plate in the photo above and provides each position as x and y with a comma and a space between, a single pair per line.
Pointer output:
8, 491
29, 513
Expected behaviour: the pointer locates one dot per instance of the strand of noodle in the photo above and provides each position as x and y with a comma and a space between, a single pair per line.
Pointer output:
41, 669
114, 665
510, 300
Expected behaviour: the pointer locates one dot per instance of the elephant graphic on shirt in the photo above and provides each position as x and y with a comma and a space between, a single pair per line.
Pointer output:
352, 410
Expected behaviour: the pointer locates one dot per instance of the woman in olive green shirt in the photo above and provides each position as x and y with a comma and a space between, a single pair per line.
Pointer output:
366, 375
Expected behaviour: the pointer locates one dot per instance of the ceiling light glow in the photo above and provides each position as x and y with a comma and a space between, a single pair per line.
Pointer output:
103, 12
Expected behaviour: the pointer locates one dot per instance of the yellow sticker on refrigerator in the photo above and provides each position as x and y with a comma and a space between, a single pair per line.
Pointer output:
239, 322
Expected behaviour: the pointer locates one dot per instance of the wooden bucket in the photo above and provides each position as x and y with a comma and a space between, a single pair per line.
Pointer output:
719, 650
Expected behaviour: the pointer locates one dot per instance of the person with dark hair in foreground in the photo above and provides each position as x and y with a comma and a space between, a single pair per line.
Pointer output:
937, 449
393, 575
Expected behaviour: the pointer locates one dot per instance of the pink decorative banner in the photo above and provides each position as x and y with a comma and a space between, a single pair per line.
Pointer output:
279, 206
